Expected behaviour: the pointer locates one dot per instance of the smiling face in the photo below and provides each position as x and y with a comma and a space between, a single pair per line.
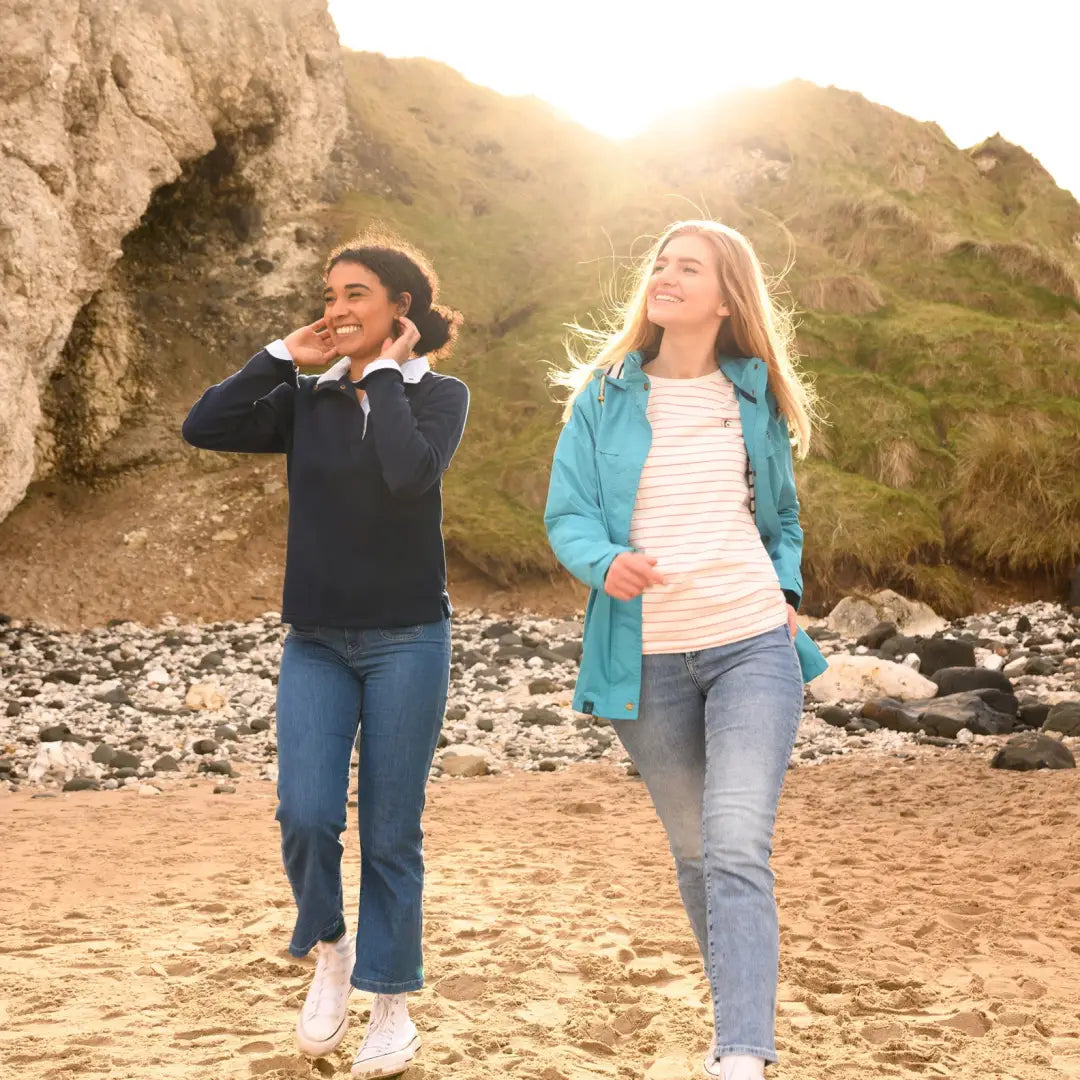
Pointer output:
359, 310
684, 287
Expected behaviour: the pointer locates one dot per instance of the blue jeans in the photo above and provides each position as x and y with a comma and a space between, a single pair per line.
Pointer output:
712, 741
392, 686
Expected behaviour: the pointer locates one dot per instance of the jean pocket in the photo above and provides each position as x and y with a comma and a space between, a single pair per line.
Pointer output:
402, 633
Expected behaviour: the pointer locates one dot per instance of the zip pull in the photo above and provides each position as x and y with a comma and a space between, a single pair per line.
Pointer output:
603, 379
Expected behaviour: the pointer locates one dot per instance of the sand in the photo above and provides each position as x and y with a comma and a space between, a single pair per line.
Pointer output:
930, 914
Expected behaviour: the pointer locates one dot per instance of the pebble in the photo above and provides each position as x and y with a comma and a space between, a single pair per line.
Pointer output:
509, 705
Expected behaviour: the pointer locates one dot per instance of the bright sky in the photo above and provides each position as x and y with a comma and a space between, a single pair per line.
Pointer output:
974, 66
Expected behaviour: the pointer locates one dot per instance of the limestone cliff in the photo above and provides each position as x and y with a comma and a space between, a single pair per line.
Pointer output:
103, 108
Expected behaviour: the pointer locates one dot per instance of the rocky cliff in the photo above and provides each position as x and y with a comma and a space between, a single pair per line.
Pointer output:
114, 116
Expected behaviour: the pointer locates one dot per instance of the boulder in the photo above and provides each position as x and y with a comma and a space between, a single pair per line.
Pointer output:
1063, 717
1033, 750
892, 714
955, 680
936, 653
947, 715
858, 678
858, 615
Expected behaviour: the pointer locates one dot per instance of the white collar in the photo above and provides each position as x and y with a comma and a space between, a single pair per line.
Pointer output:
412, 371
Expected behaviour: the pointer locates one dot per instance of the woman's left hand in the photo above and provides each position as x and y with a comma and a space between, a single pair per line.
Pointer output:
401, 347
792, 622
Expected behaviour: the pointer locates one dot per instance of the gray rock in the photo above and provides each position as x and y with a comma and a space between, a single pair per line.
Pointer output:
225, 733
875, 638
125, 772
1033, 750
956, 680
485, 723
893, 715
544, 686
1063, 717
497, 630
14, 708
104, 754
166, 763
260, 723
538, 717
124, 759
115, 696
82, 783
57, 733
456, 712
937, 653
1040, 665
224, 789
897, 645
64, 675
1033, 713
946, 716
213, 659
835, 716
205, 746
547, 765
221, 767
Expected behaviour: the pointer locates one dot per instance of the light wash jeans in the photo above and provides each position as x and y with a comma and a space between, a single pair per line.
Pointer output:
712, 740
392, 685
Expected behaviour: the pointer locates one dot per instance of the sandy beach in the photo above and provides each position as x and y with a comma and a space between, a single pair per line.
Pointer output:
930, 915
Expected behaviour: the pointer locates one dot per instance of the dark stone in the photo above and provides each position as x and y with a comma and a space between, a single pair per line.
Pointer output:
472, 657
820, 633
260, 723
999, 700
221, 767
132, 664
485, 723
875, 638
869, 725
14, 708
544, 686
947, 715
104, 754
224, 789
892, 714
116, 696
456, 712
934, 740
1034, 713
1063, 717
1033, 750
443, 740
497, 630
264, 266
82, 783
511, 639
1023, 625
547, 765
956, 680
835, 716
537, 717
225, 733
1040, 665
508, 652
124, 759
7, 766
897, 645
57, 733
65, 675
126, 772
213, 659
166, 763
205, 746
937, 653
569, 650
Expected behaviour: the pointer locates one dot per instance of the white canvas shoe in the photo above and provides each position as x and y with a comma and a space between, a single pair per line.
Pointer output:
325, 1016
734, 1066
391, 1041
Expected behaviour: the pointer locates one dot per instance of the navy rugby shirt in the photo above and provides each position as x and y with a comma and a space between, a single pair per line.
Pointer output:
365, 546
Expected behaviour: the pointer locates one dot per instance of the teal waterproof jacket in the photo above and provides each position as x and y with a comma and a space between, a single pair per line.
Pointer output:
594, 482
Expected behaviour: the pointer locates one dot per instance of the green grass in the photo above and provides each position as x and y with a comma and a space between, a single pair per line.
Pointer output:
938, 314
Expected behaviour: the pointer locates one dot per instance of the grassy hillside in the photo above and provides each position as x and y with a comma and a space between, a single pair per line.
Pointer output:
938, 289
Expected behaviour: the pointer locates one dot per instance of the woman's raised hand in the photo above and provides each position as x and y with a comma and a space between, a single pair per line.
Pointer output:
312, 346
630, 574
401, 347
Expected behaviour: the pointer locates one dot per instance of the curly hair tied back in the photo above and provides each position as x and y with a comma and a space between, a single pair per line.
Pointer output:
403, 268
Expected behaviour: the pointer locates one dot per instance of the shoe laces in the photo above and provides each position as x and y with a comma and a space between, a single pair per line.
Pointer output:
330, 963
384, 1028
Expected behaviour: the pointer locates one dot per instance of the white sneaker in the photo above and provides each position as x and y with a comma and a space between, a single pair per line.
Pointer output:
325, 1016
734, 1066
391, 1040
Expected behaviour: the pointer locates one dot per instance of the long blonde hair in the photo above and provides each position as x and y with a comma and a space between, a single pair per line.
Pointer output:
756, 326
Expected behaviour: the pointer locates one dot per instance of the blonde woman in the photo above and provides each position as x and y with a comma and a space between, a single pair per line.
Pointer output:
673, 497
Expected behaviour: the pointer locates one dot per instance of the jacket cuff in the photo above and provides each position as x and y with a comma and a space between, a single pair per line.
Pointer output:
793, 598
279, 350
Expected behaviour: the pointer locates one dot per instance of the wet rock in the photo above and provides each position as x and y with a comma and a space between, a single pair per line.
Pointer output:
1033, 750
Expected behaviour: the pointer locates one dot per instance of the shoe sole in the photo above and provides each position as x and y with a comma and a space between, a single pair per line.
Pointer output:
389, 1064
318, 1049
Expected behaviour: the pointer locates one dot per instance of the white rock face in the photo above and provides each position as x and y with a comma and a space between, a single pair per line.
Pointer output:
860, 678
857, 615
100, 105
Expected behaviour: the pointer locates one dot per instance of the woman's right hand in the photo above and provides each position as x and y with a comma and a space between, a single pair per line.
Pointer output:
630, 574
312, 346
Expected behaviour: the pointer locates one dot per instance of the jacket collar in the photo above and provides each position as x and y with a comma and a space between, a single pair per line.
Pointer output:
412, 371
748, 373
